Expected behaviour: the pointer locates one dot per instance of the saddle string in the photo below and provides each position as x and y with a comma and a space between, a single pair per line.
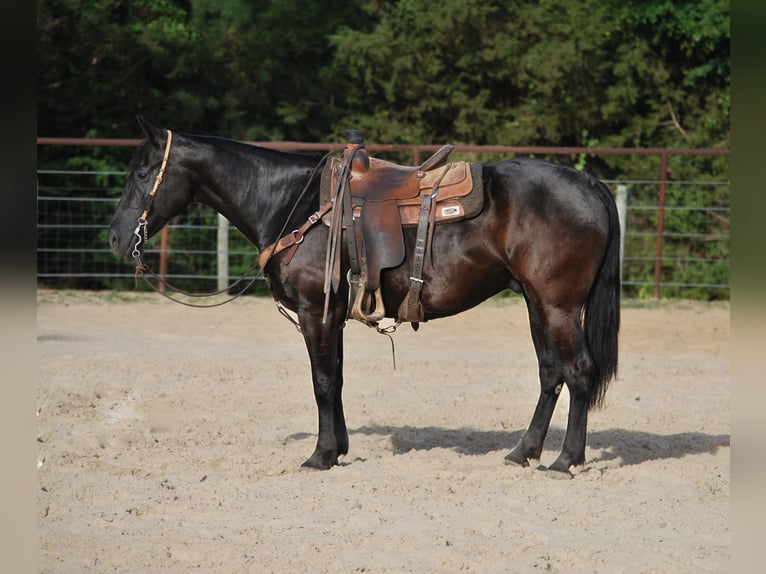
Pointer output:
387, 331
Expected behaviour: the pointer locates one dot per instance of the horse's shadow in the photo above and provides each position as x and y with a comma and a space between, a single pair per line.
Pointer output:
630, 447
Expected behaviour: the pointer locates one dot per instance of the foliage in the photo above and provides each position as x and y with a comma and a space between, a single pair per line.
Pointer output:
593, 73
552, 72
247, 69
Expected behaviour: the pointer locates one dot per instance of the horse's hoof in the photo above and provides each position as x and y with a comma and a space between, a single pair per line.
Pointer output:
317, 463
512, 459
557, 473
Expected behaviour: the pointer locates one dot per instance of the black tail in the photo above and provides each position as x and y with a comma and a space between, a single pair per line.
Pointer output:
602, 308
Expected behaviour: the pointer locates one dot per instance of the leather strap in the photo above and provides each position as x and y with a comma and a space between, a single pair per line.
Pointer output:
348, 221
160, 176
294, 239
332, 252
411, 309
341, 204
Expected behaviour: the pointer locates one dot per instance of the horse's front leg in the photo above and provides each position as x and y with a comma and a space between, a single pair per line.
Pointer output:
325, 347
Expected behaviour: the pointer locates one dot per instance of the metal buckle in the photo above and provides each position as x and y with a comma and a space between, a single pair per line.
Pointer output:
141, 238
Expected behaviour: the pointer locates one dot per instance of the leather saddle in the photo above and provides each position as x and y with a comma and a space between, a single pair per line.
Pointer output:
372, 201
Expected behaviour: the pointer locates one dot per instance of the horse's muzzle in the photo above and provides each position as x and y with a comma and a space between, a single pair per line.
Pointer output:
119, 248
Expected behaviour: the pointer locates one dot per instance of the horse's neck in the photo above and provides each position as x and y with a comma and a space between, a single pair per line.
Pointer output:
255, 191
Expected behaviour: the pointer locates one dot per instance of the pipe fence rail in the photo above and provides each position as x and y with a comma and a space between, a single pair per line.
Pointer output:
676, 233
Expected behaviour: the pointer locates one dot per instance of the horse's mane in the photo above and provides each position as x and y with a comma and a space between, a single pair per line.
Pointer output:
254, 149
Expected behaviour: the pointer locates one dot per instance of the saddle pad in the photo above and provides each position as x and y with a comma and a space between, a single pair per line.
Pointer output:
461, 193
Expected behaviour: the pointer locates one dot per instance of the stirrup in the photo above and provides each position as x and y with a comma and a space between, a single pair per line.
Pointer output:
359, 313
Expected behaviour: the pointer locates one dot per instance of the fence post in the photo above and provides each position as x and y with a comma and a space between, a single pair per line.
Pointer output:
621, 199
163, 258
660, 224
223, 252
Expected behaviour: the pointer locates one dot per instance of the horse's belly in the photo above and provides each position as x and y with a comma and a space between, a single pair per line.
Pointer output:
448, 288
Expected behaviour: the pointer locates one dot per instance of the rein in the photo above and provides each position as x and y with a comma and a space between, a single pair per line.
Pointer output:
142, 268
142, 235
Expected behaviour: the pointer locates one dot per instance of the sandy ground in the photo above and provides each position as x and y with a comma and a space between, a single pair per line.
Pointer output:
170, 440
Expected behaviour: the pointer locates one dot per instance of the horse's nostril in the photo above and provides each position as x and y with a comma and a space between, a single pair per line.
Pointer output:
114, 242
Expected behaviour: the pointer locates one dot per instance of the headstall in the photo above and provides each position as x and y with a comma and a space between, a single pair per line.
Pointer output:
141, 231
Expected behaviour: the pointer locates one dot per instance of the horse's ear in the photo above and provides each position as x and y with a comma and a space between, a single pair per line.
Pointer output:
152, 133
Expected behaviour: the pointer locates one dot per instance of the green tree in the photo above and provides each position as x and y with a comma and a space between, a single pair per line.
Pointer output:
244, 68
553, 72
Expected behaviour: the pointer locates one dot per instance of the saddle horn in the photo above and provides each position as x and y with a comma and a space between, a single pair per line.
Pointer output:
355, 137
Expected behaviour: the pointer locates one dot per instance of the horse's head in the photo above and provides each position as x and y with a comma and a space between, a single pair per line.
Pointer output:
158, 187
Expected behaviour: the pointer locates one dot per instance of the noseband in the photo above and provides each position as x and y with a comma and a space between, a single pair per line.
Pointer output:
141, 231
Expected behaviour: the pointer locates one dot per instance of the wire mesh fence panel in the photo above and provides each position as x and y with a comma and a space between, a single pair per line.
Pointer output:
75, 209
73, 213
73, 249
192, 252
694, 257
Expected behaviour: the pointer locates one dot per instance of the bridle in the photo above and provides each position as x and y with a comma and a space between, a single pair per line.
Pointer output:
141, 232
142, 236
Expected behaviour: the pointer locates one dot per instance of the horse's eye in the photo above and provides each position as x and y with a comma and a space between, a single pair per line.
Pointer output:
141, 174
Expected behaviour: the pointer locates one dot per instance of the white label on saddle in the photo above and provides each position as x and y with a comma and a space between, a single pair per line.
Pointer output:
450, 211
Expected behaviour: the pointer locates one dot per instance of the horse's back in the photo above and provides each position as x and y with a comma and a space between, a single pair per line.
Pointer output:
551, 194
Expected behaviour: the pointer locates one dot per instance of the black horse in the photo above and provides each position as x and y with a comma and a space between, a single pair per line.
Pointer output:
547, 231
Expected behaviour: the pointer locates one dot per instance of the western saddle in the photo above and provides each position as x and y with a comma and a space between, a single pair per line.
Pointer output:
372, 200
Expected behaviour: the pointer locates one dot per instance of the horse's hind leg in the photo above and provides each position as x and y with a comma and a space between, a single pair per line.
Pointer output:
563, 359
578, 374
551, 381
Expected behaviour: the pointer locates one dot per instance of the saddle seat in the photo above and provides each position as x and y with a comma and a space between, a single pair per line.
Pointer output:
374, 179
